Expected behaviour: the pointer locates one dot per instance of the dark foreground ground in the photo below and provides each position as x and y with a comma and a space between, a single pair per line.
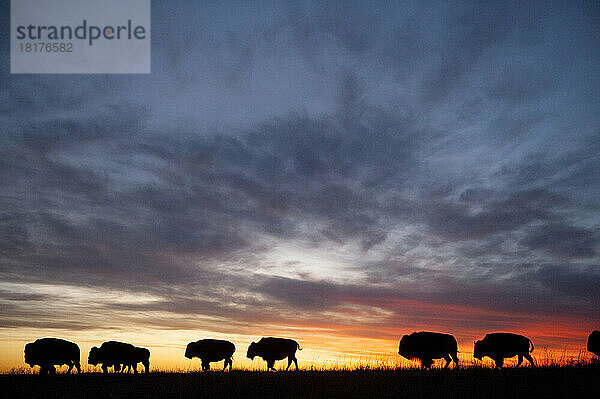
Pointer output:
546, 382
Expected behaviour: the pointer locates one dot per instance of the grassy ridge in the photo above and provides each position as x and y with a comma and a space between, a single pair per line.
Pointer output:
549, 382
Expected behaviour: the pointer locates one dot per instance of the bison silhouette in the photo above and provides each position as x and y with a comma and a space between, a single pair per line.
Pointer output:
499, 346
119, 355
211, 350
48, 352
272, 349
593, 342
426, 346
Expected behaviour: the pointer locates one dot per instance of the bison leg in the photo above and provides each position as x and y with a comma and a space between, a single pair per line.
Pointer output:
228, 362
291, 359
520, 357
205, 366
529, 359
499, 362
78, 367
455, 358
104, 368
271, 365
448, 360
426, 363
146, 364
71, 365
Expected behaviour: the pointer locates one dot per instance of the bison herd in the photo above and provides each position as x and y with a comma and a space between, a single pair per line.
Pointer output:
422, 346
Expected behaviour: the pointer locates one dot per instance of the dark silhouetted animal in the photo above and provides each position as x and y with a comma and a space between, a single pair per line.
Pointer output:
426, 346
593, 342
272, 349
116, 354
499, 346
48, 352
211, 350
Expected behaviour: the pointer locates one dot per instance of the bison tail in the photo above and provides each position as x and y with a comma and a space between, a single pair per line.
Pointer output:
299, 348
532, 347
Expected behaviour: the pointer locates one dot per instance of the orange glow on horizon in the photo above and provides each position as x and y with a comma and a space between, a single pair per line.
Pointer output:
325, 345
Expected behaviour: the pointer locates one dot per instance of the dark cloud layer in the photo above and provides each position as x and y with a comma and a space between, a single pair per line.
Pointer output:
563, 240
442, 155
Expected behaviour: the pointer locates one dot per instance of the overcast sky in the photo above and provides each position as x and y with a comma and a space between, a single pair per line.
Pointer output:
358, 170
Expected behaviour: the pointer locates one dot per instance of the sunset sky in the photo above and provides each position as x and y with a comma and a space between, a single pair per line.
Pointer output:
340, 174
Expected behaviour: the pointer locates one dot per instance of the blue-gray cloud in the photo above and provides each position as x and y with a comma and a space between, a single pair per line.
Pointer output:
451, 152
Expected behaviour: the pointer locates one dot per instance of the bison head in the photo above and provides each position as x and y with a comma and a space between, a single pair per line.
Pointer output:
190, 350
93, 357
29, 355
402, 348
141, 354
479, 350
251, 351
